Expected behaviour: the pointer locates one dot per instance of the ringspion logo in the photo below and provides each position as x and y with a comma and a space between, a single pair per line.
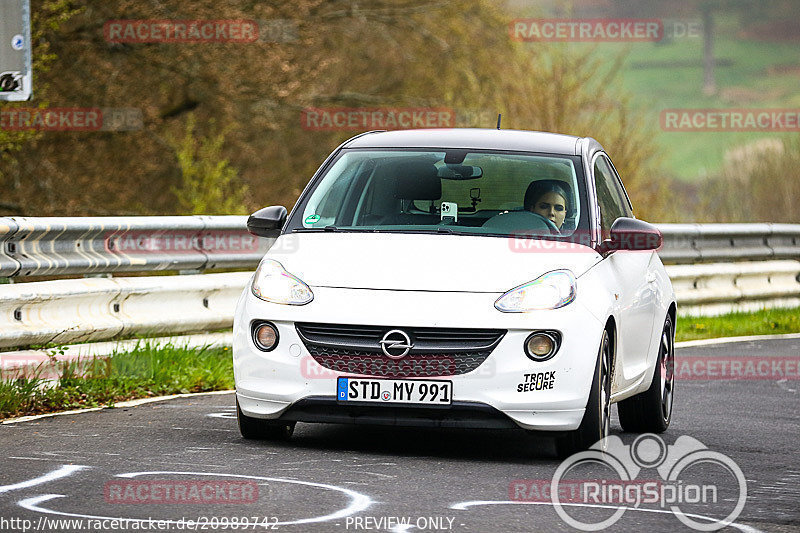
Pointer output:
692, 479
578, 490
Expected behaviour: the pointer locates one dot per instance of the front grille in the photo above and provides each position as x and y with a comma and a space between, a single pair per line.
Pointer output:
436, 351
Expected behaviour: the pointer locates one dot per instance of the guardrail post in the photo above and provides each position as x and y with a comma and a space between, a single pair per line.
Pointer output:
9, 266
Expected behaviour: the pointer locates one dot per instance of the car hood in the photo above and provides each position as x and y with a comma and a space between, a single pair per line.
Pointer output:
423, 262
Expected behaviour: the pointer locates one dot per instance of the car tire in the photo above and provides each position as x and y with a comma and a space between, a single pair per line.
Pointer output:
651, 411
258, 429
596, 418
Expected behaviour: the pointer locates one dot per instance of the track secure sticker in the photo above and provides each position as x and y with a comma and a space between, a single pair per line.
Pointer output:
312, 219
538, 381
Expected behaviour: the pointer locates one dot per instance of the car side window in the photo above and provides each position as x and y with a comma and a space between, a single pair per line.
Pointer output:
612, 205
625, 201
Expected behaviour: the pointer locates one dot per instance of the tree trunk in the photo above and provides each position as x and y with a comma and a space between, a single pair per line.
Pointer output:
709, 85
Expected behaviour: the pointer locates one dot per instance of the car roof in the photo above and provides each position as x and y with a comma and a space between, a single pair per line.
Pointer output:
488, 139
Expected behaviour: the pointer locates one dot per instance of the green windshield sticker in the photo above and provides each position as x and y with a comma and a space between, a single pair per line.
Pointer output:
312, 219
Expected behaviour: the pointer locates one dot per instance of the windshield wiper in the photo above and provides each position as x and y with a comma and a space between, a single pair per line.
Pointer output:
336, 229
309, 230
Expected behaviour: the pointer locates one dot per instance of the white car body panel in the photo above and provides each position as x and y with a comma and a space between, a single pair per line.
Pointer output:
394, 261
269, 382
397, 280
289, 378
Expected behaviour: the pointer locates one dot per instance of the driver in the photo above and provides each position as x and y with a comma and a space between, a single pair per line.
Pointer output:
548, 199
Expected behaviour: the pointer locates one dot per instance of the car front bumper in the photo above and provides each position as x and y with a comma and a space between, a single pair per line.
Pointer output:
289, 384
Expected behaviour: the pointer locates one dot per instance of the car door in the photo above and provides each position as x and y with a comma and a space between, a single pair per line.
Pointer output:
633, 290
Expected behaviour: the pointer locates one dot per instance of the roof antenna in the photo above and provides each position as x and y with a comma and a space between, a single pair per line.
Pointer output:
499, 117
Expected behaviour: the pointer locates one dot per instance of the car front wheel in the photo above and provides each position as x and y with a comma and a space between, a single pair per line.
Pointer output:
651, 411
596, 419
258, 429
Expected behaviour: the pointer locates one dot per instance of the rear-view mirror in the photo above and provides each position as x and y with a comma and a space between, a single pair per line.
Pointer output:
460, 172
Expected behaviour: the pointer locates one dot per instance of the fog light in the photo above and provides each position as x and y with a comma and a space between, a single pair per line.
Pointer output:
541, 345
265, 336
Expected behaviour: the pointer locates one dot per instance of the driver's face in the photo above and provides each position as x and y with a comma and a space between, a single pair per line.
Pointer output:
551, 205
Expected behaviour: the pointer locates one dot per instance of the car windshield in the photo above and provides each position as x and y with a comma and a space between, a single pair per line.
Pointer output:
450, 191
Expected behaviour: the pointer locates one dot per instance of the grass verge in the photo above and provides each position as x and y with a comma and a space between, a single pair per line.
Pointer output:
765, 322
148, 371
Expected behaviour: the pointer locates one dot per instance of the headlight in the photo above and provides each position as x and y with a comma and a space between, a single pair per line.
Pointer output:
549, 291
272, 283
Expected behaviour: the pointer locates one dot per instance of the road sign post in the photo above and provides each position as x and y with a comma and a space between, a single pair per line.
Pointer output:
15, 51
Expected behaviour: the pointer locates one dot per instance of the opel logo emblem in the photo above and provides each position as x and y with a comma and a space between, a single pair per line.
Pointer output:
396, 344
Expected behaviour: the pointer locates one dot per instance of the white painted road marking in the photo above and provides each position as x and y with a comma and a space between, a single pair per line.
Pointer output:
221, 415
782, 383
358, 502
228, 411
64, 471
463, 506
743, 338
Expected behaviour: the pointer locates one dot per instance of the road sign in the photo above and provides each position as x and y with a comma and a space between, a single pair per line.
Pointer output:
15, 50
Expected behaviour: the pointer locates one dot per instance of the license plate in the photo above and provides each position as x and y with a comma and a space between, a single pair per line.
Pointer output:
427, 392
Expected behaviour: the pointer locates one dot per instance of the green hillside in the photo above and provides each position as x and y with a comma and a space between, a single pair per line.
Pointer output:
749, 74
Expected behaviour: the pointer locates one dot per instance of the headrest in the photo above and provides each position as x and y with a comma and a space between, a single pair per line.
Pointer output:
417, 180
537, 188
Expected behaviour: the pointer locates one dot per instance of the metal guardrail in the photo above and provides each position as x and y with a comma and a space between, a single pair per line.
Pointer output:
718, 288
93, 309
747, 273
703, 243
96, 245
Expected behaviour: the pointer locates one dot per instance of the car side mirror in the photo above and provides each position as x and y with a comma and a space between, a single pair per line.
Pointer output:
631, 234
267, 222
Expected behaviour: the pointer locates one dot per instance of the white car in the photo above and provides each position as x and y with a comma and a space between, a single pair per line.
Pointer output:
458, 278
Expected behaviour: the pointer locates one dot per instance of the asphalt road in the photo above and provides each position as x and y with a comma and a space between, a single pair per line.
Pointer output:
351, 478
